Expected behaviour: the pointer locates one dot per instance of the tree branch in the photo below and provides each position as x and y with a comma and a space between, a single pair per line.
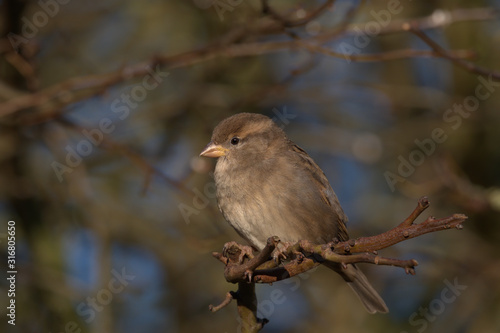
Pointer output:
443, 53
54, 98
406, 230
266, 9
304, 255
225, 302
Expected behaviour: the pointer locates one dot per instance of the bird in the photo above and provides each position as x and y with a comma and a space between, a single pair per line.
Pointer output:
266, 185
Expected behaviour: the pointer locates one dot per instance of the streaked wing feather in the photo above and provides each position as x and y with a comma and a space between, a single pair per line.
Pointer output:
326, 192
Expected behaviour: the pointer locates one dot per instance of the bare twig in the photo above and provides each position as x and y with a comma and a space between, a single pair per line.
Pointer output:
423, 204
443, 53
306, 255
399, 234
225, 302
56, 97
406, 230
383, 56
24, 67
438, 19
362, 249
266, 9
134, 157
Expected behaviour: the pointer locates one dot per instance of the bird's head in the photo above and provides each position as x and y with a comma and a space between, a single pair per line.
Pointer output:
247, 135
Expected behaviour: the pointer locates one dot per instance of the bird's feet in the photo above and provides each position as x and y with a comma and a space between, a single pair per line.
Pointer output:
236, 252
286, 251
279, 253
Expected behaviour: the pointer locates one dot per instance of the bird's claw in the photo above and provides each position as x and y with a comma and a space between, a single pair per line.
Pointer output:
248, 275
232, 248
280, 251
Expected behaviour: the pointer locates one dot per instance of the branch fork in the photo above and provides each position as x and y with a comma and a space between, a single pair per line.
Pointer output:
242, 267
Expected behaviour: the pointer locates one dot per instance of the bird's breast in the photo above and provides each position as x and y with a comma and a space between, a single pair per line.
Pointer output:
242, 202
276, 202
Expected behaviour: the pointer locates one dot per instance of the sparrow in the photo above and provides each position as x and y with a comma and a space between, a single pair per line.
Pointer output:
268, 186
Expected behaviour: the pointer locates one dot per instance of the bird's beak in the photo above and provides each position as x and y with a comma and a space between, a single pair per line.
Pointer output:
213, 150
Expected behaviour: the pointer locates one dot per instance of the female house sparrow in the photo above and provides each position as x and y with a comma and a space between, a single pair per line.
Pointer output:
268, 186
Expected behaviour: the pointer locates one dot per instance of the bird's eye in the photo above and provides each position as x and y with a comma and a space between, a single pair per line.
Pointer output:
235, 141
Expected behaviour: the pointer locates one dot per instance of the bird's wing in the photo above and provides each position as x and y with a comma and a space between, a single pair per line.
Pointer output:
326, 192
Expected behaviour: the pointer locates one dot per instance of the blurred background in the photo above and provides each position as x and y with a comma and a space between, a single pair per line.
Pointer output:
105, 106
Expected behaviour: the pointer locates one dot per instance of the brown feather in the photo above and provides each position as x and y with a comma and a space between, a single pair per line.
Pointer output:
268, 186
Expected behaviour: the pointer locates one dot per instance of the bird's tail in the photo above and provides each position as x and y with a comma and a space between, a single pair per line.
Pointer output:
359, 283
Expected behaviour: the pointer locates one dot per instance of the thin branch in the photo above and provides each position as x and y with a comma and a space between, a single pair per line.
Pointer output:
423, 204
384, 56
262, 270
408, 265
441, 18
326, 252
224, 303
399, 234
287, 23
24, 67
438, 19
406, 230
134, 157
305, 255
443, 53
59, 95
